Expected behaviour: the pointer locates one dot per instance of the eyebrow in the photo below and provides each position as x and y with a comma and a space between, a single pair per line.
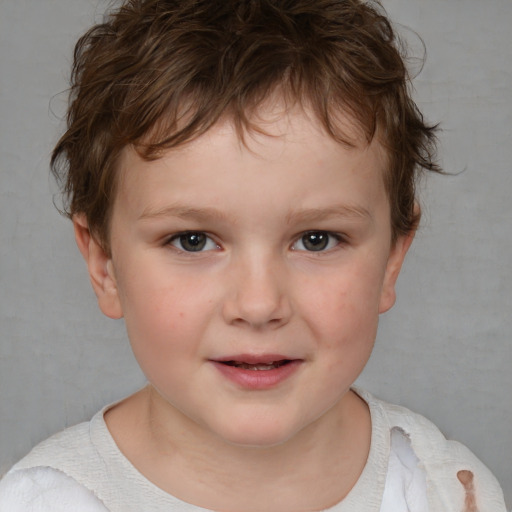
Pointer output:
183, 212
306, 215
318, 214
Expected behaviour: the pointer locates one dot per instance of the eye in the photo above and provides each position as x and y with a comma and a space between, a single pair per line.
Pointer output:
193, 241
316, 241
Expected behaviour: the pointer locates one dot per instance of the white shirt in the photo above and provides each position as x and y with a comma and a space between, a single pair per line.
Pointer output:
411, 467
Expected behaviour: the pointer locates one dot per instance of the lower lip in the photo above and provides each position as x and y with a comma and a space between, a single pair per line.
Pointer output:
258, 379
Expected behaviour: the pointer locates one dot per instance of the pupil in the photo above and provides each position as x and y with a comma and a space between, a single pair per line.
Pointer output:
315, 241
193, 241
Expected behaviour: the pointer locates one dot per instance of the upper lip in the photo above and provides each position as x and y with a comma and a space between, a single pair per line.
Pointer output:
254, 358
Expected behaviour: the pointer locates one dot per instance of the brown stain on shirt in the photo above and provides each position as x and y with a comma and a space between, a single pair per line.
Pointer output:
466, 479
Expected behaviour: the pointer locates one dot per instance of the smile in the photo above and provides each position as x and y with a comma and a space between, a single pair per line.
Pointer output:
257, 372
258, 366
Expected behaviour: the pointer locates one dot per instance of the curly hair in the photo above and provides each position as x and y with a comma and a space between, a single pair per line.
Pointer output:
159, 73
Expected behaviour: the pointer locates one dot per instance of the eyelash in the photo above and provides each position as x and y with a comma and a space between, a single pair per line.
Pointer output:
330, 238
198, 240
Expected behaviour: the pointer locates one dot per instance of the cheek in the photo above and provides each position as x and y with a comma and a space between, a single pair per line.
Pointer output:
164, 319
343, 317
345, 304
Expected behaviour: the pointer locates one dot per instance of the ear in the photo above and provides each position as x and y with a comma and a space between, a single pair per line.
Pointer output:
99, 265
395, 260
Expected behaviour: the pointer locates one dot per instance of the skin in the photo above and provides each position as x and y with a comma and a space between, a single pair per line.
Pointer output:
257, 289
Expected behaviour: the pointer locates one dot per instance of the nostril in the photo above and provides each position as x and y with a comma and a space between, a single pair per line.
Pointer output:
247, 312
256, 298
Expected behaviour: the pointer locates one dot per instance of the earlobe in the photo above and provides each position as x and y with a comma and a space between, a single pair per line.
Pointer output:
394, 265
99, 265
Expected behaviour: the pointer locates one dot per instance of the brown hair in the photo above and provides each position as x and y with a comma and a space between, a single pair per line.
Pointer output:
158, 73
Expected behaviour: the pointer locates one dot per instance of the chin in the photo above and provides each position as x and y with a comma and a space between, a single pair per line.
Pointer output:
257, 432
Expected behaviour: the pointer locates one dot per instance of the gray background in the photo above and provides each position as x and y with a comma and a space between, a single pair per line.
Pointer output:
444, 350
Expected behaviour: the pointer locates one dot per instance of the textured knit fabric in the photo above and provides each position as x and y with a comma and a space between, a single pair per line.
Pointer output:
411, 468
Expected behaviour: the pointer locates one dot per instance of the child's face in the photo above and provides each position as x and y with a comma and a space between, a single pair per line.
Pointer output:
225, 256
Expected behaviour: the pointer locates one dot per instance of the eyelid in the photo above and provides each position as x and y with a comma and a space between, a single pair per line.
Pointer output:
339, 237
176, 236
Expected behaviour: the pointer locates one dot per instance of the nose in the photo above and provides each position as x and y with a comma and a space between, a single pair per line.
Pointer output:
257, 295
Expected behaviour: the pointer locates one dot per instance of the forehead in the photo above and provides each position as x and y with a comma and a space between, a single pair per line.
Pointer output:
277, 120
290, 161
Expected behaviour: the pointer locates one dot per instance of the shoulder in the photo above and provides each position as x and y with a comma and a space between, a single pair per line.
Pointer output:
71, 447
62, 469
454, 474
44, 489
84, 466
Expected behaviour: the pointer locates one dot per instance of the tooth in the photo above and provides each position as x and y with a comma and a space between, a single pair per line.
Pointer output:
257, 366
264, 366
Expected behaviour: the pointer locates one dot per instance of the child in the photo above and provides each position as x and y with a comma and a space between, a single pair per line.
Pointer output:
241, 183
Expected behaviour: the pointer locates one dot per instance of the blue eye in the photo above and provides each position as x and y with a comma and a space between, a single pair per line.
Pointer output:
316, 241
193, 241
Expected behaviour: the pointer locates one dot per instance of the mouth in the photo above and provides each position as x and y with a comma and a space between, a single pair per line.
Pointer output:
257, 372
271, 365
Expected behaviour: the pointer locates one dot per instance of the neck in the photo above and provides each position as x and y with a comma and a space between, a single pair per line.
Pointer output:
312, 470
